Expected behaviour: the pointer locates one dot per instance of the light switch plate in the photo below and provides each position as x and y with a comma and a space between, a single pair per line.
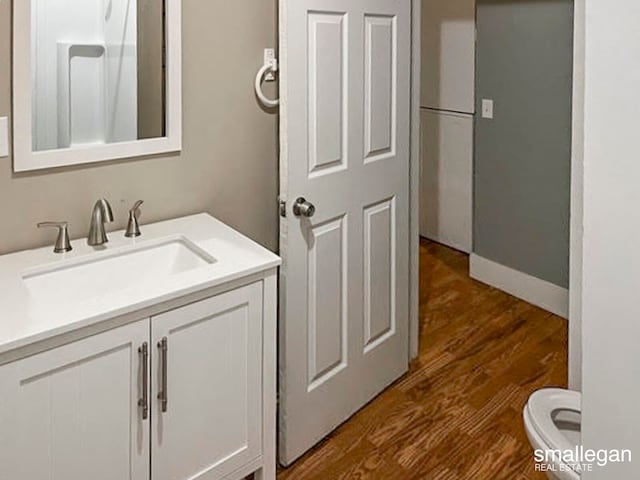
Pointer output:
487, 108
4, 137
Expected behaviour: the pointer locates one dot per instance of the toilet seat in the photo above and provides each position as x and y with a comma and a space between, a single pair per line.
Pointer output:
540, 409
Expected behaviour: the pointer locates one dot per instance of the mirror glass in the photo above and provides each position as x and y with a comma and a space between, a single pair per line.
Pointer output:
97, 72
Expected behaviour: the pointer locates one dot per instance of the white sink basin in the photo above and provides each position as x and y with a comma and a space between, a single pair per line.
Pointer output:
104, 273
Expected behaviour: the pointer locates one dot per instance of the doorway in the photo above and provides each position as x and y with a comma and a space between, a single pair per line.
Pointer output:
497, 143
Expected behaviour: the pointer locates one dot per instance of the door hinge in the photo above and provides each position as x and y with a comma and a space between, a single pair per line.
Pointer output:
282, 207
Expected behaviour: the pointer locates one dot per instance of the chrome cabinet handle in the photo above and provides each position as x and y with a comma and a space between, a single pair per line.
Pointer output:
163, 393
302, 208
143, 402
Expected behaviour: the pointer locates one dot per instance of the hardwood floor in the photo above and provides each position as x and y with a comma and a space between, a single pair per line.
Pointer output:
457, 414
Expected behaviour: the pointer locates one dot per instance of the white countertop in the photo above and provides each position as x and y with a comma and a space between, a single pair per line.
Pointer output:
23, 322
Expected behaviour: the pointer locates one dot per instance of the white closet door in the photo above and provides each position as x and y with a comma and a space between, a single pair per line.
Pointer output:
446, 213
448, 54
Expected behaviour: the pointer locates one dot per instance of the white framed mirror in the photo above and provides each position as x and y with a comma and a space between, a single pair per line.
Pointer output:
95, 80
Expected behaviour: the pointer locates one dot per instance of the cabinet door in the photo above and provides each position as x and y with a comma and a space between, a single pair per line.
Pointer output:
210, 422
72, 413
447, 179
448, 54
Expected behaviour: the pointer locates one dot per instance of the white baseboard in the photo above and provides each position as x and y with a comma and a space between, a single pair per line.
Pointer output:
538, 292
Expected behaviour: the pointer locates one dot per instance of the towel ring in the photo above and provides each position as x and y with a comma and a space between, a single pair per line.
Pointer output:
267, 102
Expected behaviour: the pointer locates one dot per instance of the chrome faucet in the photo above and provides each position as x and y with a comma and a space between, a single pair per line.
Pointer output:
101, 214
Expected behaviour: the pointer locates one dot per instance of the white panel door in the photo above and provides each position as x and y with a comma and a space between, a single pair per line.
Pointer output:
448, 54
72, 413
210, 424
345, 117
446, 193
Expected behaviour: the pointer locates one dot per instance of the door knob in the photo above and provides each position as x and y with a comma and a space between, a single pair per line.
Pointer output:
302, 208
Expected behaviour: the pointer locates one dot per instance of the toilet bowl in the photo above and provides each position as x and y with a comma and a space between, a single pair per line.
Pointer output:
552, 423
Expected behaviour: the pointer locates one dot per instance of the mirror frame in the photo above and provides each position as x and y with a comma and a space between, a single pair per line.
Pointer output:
25, 159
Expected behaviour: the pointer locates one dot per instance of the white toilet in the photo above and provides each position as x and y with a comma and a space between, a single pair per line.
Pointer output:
552, 422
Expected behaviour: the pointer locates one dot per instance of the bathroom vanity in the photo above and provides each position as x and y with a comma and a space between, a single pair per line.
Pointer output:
150, 358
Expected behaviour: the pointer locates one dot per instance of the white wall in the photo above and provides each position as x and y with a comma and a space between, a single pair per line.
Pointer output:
611, 263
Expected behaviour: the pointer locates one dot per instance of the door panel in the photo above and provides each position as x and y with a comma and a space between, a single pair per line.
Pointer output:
345, 147
326, 93
379, 88
379, 273
212, 422
72, 413
327, 302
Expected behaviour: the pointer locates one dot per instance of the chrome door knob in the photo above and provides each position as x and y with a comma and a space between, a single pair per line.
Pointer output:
302, 208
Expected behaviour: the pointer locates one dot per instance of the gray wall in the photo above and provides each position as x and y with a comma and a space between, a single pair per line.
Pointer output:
228, 165
523, 157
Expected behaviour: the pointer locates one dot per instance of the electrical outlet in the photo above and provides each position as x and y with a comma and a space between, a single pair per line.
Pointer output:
4, 137
487, 108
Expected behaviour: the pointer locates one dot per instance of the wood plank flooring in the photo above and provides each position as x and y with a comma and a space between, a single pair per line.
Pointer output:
457, 414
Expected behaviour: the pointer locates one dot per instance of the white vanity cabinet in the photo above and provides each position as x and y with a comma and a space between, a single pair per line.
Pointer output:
156, 361
178, 396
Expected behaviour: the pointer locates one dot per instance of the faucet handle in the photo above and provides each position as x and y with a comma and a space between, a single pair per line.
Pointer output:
133, 227
136, 206
63, 244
